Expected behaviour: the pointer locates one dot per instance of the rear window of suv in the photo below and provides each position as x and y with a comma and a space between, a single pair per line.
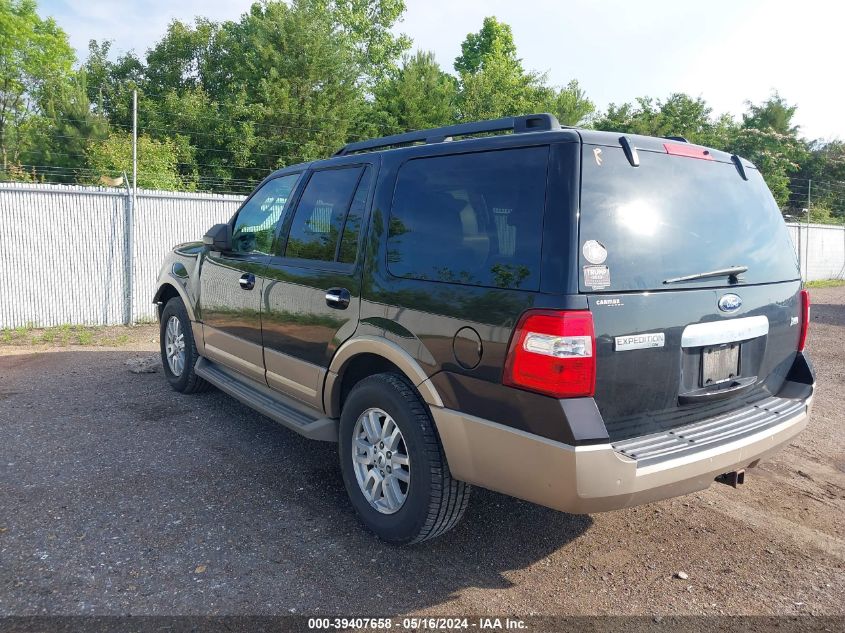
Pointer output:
675, 216
473, 219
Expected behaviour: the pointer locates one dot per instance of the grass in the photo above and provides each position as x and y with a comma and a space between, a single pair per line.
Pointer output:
86, 337
825, 283
66, 335
48, 335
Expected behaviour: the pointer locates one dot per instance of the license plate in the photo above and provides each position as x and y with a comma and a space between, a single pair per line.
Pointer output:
719, 364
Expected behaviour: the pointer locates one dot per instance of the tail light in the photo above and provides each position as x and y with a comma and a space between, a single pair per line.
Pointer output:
553, 352
805, 319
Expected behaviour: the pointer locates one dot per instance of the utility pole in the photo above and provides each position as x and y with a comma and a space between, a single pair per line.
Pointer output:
807, 250
130, 223
135, 142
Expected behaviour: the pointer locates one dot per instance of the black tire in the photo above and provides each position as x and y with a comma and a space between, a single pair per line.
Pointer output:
187, 381
435, 502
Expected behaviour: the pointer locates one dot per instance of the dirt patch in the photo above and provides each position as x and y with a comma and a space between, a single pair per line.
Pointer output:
117, 490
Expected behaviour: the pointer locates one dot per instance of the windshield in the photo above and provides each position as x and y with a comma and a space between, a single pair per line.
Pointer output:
674, 216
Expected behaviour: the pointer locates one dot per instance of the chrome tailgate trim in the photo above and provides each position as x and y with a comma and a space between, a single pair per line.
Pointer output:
728, 331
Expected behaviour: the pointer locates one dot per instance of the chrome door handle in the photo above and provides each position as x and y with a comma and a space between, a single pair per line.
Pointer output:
338, 298
247, 281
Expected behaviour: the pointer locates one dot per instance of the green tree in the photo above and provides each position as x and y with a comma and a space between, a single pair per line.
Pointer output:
61, 134
569, 104
35, 60
302, 87
499, 88
776, 155
213, 143
768, 138
773, 114
493, 82
367, 28
285, 83
211, 132
678, 115
825, 168
825, 162
419, 95
110, 83
157, 160
478, 47
179, 60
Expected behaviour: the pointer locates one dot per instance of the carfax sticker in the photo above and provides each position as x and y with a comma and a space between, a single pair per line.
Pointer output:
596, 276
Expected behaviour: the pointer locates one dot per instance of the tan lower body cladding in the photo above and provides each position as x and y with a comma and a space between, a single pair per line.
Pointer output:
587, 479
234, 352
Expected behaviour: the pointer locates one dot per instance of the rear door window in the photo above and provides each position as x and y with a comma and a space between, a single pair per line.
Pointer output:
348, 250
320, 214
472, 219
675, 216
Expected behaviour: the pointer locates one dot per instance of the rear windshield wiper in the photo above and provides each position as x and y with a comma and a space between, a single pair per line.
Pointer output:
732, 274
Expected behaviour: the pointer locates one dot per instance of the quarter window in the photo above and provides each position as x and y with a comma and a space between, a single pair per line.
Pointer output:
473, 219
256, 222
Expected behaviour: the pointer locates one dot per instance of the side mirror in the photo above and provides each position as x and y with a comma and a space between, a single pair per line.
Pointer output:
219, 238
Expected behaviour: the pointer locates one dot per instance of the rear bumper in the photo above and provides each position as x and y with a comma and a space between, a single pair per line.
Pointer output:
596, 478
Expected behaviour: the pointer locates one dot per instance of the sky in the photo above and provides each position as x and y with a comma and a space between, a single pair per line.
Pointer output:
726, 51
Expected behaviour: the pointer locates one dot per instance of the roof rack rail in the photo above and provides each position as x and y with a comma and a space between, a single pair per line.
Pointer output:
680, 139
518, 124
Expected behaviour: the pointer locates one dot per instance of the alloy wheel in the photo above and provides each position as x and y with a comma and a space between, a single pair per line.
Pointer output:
380, 460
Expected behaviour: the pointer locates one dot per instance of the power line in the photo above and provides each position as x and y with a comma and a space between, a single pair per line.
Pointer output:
187, 164
229, 151
266, 126
59, 172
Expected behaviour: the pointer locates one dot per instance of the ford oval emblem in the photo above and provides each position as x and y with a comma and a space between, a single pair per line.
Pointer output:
730, 303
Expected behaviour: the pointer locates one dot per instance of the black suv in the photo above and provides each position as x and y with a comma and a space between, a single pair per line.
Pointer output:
582, 319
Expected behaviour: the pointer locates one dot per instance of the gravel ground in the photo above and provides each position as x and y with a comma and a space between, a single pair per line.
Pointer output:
119, 496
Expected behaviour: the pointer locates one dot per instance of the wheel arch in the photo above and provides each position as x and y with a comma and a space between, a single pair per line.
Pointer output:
168, 289
364, 356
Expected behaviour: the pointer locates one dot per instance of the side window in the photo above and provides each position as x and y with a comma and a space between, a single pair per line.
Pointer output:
474, 219
352, 227
257, 220
319, 216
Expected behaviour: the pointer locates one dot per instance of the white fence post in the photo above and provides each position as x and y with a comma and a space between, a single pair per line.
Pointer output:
127, 253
